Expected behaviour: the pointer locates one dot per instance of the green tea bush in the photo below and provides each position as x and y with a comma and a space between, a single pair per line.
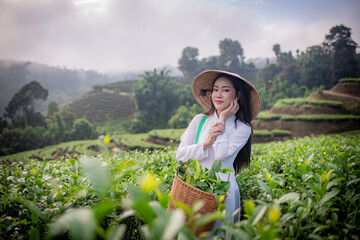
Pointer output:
297, 189
355, 80
297, 102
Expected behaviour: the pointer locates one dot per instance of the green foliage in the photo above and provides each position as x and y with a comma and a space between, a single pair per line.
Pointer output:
314, 67
102, 106
114, 127
266, 116
83, 129
297, 102
274, 90
231, 55
274, 133
120, 86
204, 179
262, 133
280, 133
188, 62
342, 51
61, 129
46, 153
137, 141
318, 66
328, 117
295, 189
231, 59
23, 102
156, 99
14, 140
52, 108
183, 116
3, 124
167, 134
350, 80
312, 180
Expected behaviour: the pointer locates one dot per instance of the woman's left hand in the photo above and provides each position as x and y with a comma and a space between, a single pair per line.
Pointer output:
231, 110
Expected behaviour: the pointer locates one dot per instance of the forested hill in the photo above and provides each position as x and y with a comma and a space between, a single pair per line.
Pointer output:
62, 84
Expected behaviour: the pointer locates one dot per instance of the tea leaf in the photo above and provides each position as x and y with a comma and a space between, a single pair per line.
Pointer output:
80, 223
289, 197
328, 196
259, 215
352, 181
174, 224
216, 165
116, 232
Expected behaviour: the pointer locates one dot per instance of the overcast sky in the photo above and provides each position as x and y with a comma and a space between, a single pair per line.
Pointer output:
132, 35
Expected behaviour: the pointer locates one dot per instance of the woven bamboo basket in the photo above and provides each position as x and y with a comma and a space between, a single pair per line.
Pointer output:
188, 195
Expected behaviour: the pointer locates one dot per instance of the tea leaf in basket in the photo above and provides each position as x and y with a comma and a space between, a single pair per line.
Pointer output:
216, 166
203, 178
226, 170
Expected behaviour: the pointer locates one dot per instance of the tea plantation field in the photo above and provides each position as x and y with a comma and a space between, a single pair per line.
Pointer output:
306, 188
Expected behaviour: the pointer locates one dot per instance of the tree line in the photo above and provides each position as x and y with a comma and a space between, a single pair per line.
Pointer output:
291, 76
161, 102
24, 129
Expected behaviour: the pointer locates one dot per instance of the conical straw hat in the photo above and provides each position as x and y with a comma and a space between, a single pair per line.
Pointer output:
204, 81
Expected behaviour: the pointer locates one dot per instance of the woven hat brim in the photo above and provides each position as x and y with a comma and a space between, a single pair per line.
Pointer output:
204, 81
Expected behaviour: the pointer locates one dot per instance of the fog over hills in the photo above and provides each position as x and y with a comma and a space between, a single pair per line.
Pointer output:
65, 84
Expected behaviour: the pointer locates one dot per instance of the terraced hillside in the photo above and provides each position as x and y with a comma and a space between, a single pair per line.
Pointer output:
346, 91
343, 98
324, 112
106, 102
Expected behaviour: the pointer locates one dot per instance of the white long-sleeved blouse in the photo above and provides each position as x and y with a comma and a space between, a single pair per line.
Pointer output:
225, 147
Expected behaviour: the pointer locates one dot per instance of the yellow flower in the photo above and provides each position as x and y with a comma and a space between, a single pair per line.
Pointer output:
274, 214
148, 182
249, 207
204, 235
307, 162
34, 171
268, 176
107, 139
324, 177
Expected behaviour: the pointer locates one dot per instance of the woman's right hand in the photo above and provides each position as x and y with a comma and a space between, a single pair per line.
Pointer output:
214, 131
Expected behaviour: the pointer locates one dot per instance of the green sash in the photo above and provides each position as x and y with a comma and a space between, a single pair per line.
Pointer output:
199, 128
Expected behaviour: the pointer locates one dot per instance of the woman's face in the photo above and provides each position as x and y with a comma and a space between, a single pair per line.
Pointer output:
223, 94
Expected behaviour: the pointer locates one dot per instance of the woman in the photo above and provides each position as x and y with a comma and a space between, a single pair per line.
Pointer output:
230, 103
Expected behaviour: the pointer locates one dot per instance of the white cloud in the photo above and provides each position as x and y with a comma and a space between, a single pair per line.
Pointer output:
128, 35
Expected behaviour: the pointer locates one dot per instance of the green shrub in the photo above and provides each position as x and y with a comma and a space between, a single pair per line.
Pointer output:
83, 130
297, 102
266, 116
167, 134
297, 189
356, 80
262, 133
328, 117
280, 133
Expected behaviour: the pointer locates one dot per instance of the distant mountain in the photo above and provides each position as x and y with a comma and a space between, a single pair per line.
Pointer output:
63, 84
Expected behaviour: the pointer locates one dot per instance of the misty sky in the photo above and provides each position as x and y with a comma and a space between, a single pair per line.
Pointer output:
133, 35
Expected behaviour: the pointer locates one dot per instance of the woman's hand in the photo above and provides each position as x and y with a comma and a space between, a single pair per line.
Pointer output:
214, 131
231, 110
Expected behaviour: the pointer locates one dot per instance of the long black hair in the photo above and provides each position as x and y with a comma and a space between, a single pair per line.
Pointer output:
242, 159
